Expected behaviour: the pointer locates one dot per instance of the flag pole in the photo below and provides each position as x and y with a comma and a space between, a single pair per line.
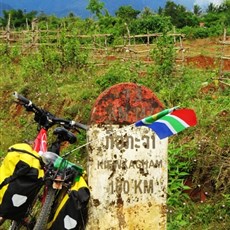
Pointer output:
148, 120
89, 142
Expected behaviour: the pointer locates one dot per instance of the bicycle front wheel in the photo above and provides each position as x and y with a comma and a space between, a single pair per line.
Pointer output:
15, 225
45, 211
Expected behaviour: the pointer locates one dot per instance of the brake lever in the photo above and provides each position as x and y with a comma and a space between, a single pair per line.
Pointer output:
28, 107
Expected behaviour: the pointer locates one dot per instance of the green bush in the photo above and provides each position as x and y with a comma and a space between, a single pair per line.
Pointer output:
202, 32
150, 24
116, 74
164, 57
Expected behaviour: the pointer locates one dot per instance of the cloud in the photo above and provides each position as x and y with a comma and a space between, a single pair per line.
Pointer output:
207, 2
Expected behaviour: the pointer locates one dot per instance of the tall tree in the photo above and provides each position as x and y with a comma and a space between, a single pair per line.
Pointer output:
127, 13
18, 18
212, 8
180, 17
95, 7
146, 12
160, 10
197, 10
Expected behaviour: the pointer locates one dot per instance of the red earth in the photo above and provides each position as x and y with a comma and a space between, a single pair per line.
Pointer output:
200, 53
207, 62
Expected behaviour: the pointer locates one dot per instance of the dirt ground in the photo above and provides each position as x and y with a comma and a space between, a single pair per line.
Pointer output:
207, 62
207, 53
200, 53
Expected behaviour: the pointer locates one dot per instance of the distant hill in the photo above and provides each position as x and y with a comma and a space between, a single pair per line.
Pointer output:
78, 7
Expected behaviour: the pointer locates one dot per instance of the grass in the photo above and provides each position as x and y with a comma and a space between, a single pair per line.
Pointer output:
202, 152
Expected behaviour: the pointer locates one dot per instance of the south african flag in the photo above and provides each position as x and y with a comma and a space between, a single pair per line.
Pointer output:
169, 122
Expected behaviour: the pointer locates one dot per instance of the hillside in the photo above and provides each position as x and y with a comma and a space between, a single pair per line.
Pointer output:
69, 85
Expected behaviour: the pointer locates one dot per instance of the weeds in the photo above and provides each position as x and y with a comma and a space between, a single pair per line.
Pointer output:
164, 57
201, 153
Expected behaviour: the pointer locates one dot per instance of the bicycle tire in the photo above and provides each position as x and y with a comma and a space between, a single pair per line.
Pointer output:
45, 211
15, 225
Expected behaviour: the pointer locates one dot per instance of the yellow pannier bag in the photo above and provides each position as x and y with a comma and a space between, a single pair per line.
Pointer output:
21, 177
72, 210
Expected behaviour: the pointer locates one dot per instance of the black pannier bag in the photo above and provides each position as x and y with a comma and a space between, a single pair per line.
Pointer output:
72, 211
21, 177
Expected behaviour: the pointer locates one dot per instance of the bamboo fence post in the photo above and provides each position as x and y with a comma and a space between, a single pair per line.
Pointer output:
8, 29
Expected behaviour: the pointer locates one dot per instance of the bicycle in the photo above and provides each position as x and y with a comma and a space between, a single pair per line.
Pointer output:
59, 174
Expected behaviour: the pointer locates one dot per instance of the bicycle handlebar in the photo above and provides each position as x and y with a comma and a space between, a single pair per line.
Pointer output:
27, 103
69, 123
45, 118
22, 99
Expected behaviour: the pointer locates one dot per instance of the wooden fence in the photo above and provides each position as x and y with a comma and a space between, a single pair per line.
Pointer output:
131, 44
225, 56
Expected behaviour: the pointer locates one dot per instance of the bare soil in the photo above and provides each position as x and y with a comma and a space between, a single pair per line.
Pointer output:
206, 62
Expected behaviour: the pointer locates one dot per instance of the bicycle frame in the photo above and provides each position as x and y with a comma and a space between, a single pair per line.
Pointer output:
40, 146
40, 143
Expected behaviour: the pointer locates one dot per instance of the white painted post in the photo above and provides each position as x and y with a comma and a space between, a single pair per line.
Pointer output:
127, 166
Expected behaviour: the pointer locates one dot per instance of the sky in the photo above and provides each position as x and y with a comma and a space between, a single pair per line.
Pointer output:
205, 2
202, 3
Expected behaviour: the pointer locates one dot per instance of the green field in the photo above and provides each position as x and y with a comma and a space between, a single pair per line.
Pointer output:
66, 80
